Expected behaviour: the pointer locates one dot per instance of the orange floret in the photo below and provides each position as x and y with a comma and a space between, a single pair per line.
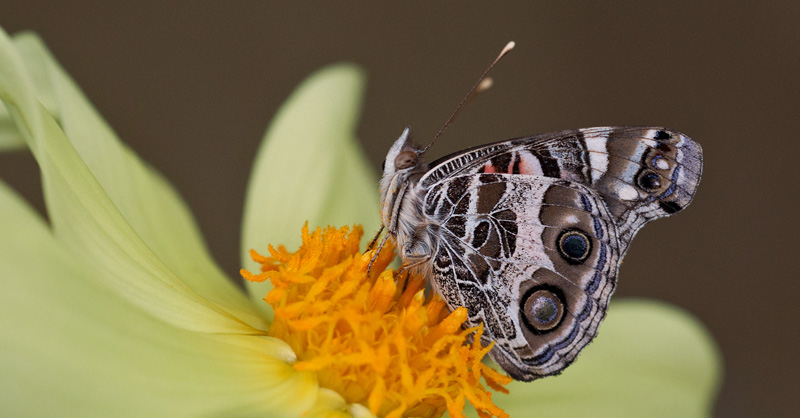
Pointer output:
374, 338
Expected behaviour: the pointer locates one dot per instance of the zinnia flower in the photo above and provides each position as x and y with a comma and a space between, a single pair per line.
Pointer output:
114, 307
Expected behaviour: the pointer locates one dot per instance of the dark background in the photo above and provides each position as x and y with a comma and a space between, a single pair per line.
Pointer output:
191, 87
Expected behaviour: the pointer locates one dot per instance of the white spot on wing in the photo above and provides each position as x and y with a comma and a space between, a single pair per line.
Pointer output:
627, 192
529, 164
598, 156
662, 164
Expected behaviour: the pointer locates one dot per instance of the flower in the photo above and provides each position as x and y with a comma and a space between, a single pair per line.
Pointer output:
370, 336
113, 306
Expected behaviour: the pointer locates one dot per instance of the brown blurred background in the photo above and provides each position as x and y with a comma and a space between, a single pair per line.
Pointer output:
192, 85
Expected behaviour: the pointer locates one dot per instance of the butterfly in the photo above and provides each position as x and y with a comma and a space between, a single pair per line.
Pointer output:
528, 233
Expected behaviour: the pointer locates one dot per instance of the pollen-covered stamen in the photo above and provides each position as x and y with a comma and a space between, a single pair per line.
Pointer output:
373, 338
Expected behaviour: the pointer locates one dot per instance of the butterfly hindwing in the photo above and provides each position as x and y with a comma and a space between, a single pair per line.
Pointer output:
501, 247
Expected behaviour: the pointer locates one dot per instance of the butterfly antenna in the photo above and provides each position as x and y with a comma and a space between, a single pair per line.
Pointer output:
481, 85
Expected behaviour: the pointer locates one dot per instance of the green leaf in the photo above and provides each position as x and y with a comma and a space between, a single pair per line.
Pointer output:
145, 199
648, 360
310, 168
88, 220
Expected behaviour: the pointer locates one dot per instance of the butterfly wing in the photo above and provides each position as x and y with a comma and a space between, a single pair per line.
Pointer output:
530, 232
532, 258
641, 173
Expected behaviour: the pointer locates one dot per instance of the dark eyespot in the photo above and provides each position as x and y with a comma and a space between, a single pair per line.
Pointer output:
542, 309
660, 135
405, 159
574, 246
649, 181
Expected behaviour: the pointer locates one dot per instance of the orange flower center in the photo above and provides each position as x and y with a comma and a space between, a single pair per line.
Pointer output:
373, 338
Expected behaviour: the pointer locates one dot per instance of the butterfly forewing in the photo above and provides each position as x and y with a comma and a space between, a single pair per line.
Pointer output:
641, 173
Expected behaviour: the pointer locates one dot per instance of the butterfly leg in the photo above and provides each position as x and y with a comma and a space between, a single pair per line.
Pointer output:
378, 251
374, 240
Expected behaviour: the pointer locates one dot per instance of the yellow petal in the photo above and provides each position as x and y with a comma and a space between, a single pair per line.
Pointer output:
648, 360
309, 167
87, 219
71, 347
145, 200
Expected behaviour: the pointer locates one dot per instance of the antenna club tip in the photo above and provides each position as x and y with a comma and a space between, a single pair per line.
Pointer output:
509, 46
484, 85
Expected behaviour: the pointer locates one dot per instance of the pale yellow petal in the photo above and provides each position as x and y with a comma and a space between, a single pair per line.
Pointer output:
85, 218
146, 201
648, 360
70, 347
310, 168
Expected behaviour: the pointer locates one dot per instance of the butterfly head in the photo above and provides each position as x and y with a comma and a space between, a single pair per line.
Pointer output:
403, 155
402, 168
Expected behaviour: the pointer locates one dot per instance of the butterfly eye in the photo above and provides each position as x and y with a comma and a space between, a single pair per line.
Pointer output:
543, 310
649, 180
405, 159
574, 246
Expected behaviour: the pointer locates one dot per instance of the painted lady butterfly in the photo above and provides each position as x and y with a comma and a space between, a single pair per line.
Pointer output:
528, 233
